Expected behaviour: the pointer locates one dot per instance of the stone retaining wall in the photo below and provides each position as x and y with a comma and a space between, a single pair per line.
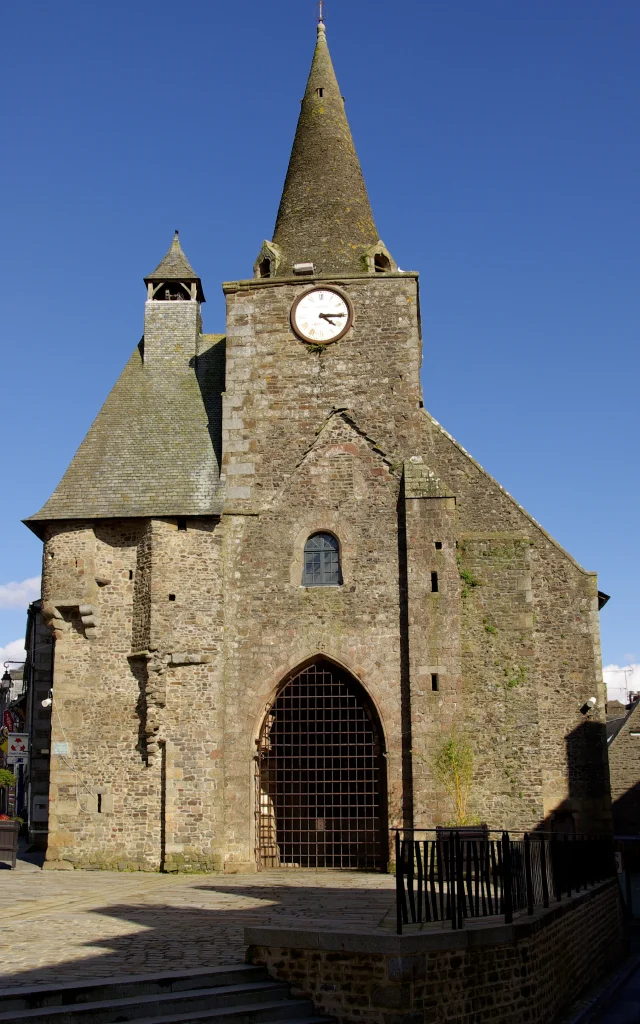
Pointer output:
524, 973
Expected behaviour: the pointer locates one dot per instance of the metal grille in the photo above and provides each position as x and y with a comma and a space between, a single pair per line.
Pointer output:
321, 561
320, 779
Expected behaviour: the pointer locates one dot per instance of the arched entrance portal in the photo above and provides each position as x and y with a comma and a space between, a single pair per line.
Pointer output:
321, 780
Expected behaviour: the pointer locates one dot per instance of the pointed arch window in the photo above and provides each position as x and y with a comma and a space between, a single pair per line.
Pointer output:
321, 561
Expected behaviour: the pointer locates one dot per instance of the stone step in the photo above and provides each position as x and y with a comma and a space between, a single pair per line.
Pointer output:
240, 1003
122, 986
274, 1013
302, 1020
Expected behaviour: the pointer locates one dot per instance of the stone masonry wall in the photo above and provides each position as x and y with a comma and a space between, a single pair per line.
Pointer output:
484, 639
531, 656
280, 391
500, 686
525, 973
434, 642
273, 624
138, 783
624, 763
171, 642
105, 802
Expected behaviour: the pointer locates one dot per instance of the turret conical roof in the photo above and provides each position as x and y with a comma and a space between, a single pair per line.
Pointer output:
324, 216
175, 266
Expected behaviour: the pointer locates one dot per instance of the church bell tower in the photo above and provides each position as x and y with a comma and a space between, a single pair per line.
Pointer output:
328, 322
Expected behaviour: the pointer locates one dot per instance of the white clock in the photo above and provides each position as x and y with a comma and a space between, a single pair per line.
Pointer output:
321, 316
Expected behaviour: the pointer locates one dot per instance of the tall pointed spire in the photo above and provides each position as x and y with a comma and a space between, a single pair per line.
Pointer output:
325, 217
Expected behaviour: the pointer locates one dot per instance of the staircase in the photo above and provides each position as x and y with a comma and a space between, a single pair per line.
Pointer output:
239, 994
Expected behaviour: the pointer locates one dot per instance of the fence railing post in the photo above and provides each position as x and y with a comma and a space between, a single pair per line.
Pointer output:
568, 858
408, 847
452, 882
543, 873
458, 876
399, 885
554, 851
527, 872
460, 893
507, 879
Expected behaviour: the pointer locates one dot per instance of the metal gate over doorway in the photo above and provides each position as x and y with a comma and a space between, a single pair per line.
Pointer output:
320, 776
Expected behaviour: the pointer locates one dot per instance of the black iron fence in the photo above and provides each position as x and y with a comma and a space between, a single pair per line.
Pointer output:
449, 875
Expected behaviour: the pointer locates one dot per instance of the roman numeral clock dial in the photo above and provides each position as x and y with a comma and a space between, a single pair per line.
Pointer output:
321, 316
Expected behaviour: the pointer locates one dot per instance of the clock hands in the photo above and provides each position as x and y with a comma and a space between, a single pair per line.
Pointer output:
330, 317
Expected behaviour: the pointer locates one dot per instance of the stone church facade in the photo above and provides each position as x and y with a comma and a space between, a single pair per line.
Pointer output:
277, 586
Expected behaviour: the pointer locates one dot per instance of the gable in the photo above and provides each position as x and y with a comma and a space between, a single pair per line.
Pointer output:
477, 490
341, 465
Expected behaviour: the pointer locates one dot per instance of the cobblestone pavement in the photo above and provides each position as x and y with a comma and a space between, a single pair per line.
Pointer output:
59, 926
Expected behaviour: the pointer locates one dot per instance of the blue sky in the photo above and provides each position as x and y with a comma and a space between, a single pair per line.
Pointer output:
500, 147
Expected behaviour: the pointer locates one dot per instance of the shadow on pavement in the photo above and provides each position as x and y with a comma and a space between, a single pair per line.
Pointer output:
171, 936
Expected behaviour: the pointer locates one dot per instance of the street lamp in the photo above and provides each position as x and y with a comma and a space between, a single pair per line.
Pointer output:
7, 682
5, 690
5, 687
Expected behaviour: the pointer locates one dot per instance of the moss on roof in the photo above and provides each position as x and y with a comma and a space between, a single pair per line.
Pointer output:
324, 216
154, 448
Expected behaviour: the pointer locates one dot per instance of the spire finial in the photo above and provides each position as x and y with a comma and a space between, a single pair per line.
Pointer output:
320, 5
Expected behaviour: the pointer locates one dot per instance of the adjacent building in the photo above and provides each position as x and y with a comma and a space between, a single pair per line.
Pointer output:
623, 732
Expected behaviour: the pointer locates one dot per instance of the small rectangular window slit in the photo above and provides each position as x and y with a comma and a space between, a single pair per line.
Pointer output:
172, 597
434, 583
130, 574
435, 685
99, 795
438, 545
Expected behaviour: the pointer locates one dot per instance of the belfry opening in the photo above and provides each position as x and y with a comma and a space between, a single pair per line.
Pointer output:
320, 775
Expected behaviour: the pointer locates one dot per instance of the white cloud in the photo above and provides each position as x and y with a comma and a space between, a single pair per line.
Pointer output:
14, 649
620, 679
19, 595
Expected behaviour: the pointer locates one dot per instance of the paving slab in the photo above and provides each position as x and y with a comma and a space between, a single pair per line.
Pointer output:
63, 926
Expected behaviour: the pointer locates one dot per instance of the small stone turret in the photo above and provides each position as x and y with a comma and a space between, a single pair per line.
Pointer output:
174, 278
172, 323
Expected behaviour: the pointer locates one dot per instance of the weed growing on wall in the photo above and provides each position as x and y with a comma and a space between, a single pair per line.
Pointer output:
453, 767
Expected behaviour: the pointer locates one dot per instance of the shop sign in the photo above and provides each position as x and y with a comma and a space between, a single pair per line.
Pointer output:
13, 720
18, 743
17, 759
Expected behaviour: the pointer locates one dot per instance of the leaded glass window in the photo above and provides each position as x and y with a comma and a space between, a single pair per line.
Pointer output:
321, 561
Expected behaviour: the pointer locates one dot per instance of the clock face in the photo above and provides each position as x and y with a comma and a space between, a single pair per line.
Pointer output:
321, 316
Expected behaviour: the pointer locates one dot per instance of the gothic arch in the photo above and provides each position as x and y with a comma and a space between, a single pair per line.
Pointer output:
368, 678
321, 774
